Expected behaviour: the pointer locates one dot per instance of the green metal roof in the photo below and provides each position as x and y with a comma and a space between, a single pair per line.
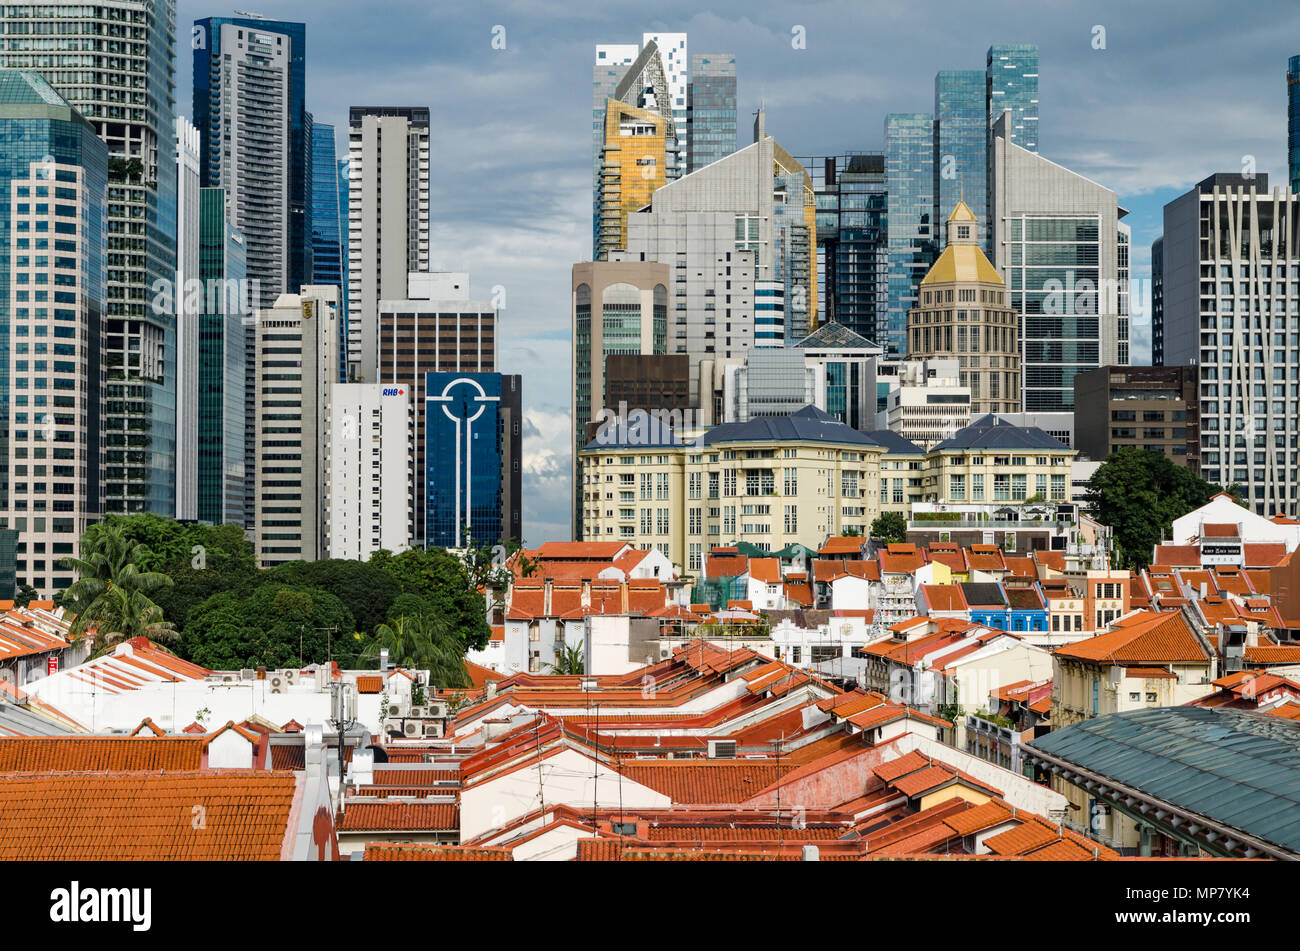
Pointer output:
1235, 767
27, 88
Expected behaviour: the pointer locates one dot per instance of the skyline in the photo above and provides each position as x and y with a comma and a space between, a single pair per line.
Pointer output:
522, 226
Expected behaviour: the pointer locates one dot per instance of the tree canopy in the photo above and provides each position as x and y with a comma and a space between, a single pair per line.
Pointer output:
1139, 493
268, 628
889, 527
441, 579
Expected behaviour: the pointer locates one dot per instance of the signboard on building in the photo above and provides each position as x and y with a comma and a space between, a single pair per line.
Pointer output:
51, 665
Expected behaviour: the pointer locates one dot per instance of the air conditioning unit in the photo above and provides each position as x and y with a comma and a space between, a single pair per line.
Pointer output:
432, 729
290, 676
230, 678
438, 710
411, 728
722, 749
248, 673
278, 684
394, 709
419, 712
392, 725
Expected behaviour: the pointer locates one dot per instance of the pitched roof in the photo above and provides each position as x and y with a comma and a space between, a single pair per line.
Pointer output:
993, 432
145, 816
390, 852
407, 816
101, 753
1146, 637
706, 781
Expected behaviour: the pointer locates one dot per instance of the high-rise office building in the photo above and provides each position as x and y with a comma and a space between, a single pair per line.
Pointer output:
634, 164
343, 190
741, 271
911, 241
852, 263
1064, 253
612, 61
53, 186
711, 108
1293, 121
1012, 84
474, 441
388, 220
961, 144
435, 326
187, 319
223, 378
297, 365
94, 55
617, 308
250, 103
368, 470
676, 67
326, 242
1158, 302
1231, 299
964, 311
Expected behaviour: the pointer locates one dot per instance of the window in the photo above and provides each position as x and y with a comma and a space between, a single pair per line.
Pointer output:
696, 484
791, 519
977, 487
1002, 487
647, 486
791, 483
957, 487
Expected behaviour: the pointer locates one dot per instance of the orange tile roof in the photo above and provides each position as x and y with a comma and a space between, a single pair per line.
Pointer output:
722, 782
145, 816
842, 545
767, 570
575, 551
908, 763
1263, 555
944, 597
986, 816
1181, 556
101, 753
1273, 654
480, 675
406, 816
367, 683
1143, 638
1023, 838
389, 852
719, 566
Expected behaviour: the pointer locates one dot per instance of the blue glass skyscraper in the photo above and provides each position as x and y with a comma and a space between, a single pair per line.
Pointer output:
1011, 77
960, 145
53, 186
711, 108
326, 243
472, 466
909, 176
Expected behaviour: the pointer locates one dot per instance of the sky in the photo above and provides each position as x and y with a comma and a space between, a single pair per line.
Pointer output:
1145, 98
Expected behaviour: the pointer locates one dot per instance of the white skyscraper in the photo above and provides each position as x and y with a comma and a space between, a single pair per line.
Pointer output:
388, 219
188, 309
369, 469
677, 69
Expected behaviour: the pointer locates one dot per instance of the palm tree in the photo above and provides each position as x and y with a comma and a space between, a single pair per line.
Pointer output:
135, 616
568, 661
423, 642
111, 592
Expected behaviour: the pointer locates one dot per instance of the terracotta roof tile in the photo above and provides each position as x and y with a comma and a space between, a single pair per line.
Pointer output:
406, 816
1145, 637
707, 781
145, 816
100, 753
387, 852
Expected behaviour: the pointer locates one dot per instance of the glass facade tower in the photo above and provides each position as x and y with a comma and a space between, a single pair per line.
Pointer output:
1012, 83
465, 448
222, 344
961, 144
1293, 121
53, 183
711, 108
326, 222
124, 45
909, 175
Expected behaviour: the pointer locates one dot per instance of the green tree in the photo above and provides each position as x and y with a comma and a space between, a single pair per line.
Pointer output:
1139, 493
420, 642
132, 615
442, 580
568, 660
366, 590
269, 627
113, 590
25, 596
889, 527
202, 560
